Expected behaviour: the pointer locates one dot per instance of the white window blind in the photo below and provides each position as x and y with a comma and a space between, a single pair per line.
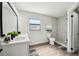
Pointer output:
34, 24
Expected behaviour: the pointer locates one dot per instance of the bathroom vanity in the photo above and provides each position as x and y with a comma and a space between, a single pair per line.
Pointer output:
19, 46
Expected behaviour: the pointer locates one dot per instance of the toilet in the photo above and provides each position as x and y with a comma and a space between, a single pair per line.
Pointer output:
51, 41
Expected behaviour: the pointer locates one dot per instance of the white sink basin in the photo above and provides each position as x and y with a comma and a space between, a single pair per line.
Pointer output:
19, 38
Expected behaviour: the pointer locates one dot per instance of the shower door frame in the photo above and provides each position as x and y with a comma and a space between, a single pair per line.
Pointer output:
70, 27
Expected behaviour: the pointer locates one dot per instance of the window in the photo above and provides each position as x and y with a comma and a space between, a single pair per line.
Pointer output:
34, 24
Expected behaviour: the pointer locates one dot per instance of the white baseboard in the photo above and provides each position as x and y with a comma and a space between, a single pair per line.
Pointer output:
36, 43
61, 44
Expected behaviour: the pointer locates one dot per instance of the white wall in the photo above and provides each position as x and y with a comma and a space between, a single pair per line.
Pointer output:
36, 36
62, 30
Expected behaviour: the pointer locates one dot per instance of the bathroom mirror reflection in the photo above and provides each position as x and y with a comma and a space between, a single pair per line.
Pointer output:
9, 19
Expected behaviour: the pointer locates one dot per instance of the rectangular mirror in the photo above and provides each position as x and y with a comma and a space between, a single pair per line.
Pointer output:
9, 20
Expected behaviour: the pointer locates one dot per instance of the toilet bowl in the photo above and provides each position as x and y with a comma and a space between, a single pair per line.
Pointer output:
51, 40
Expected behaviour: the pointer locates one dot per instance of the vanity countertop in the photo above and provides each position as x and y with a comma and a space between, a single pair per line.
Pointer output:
18, 39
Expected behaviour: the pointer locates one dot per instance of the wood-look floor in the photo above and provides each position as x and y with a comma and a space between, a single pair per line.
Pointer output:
49, 50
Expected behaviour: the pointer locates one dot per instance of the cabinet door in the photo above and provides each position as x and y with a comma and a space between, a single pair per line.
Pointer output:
20, 49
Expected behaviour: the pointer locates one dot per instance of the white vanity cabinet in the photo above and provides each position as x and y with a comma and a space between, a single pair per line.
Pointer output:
17, 47
20, 49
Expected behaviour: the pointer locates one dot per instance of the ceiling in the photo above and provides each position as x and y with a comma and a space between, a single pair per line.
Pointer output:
55, 9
